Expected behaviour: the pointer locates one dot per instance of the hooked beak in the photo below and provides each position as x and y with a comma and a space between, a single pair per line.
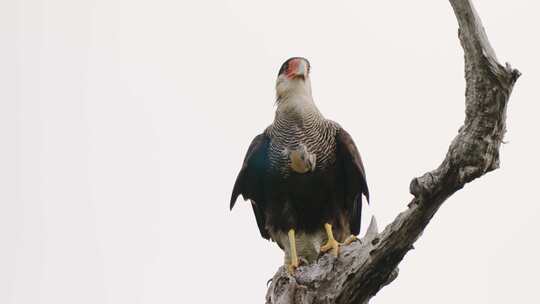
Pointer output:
297, 69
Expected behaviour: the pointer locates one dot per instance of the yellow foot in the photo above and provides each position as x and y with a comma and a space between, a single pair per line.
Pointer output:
292, 267
350, 239
331, 244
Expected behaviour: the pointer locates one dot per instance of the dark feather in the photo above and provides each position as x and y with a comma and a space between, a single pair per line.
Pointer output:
355, 178
250, 180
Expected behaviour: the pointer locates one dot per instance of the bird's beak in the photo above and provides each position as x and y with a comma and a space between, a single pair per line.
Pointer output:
302, 69
298, 68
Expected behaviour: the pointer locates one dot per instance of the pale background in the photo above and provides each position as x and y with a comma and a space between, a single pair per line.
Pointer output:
124, 123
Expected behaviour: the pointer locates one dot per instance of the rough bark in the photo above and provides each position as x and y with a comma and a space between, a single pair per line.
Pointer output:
364, 267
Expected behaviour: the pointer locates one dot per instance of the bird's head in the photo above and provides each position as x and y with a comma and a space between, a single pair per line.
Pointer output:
293, 78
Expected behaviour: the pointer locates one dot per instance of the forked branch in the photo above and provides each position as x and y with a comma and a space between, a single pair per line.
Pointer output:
364, 267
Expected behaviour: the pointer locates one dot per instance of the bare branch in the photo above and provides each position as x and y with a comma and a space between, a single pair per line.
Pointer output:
364, 267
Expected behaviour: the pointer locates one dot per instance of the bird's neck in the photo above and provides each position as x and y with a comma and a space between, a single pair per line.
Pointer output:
297, 104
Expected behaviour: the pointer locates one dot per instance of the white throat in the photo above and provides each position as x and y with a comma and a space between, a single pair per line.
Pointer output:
296, 104
297, 100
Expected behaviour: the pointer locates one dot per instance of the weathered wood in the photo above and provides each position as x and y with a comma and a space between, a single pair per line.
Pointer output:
364, 267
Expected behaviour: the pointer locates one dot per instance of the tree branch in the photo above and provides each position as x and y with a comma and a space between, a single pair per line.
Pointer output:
364, 267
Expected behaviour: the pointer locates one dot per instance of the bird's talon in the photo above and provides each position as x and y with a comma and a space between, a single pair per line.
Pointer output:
292, 267
350, 239
331, 245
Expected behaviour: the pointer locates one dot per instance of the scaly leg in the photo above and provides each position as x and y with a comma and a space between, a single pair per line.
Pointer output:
294, 257
331, 243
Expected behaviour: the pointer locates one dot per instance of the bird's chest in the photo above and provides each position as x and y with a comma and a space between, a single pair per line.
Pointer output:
310, 138
291, 136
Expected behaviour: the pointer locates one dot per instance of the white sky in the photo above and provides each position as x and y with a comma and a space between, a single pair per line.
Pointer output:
124, 124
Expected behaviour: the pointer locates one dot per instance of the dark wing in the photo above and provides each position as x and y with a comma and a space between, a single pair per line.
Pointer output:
250, 180
354, 177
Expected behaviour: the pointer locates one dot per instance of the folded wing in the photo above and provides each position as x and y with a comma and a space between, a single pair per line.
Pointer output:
354, 178
250, 180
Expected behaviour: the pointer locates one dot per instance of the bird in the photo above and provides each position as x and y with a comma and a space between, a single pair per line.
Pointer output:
303, 174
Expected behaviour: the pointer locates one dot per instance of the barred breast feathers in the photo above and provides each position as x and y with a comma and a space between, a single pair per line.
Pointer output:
299, 122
